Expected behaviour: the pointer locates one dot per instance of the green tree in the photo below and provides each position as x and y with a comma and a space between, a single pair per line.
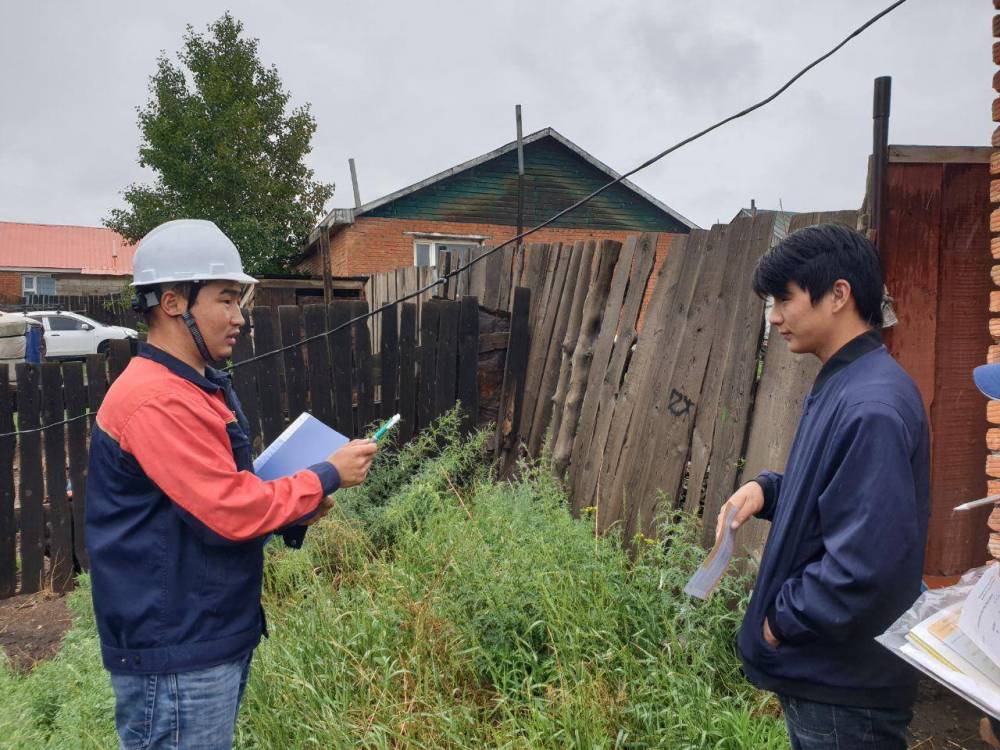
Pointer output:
216, 133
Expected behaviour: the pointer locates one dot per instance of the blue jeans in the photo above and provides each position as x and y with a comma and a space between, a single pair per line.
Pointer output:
180, 711
821, 726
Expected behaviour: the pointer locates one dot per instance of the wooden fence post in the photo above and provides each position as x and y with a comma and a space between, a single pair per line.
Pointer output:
76, 406
407, 371
8, 526
266, 340
60, 520
32, 486
338, 315
428, 362
319, 370
515, 369
447, 358
364, 382
468, 362
389, 349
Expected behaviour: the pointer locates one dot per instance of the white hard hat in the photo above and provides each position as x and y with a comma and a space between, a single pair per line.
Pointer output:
187, 250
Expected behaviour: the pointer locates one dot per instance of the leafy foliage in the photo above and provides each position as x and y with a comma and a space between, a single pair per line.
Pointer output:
216, 132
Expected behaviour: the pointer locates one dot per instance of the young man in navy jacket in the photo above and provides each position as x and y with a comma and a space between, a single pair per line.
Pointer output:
845, 554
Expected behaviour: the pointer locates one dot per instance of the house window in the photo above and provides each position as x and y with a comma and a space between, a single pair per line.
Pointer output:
425, 251
38, 285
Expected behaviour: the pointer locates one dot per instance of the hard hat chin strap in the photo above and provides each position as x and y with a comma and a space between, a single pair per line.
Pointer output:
192, 324
199, 340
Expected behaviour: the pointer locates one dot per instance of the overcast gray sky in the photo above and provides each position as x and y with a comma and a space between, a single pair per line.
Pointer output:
409, 88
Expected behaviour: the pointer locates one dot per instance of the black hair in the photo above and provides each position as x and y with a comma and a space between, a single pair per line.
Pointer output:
814, 258
182, 289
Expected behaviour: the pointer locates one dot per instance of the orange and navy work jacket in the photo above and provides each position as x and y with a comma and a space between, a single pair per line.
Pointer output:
176, 520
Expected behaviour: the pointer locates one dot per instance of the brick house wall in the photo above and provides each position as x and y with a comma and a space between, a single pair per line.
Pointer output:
10, 287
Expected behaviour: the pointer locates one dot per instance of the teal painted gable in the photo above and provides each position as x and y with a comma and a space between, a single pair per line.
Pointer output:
555, 177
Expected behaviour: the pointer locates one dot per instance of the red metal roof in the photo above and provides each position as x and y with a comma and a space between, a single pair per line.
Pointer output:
90, 250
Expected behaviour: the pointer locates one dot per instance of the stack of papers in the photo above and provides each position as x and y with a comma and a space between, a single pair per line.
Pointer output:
959, 646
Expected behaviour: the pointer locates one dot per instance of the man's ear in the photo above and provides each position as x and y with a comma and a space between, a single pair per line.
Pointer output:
172, 304
840, 294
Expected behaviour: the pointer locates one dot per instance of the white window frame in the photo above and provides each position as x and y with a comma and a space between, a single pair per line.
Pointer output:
34, 282
434, 240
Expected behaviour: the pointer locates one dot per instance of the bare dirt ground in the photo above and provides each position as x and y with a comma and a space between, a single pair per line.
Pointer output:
943, 721
32, 627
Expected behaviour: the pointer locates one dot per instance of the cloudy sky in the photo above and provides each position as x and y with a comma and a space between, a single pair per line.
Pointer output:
411, 87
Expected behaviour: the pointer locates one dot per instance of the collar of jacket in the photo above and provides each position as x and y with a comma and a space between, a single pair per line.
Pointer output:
852, 350
213, 380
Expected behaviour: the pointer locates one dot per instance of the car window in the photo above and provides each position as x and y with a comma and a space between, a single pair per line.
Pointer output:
64, 323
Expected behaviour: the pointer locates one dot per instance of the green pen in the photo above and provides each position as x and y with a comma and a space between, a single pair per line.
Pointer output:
380, 432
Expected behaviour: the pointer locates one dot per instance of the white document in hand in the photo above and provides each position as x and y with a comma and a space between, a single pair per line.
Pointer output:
980, 618
710, 572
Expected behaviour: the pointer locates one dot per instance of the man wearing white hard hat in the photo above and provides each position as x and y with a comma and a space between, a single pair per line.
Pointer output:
176, 519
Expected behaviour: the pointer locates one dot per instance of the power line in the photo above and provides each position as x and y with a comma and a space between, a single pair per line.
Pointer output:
444, 279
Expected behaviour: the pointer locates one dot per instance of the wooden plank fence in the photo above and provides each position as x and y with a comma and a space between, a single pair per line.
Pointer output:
42, 540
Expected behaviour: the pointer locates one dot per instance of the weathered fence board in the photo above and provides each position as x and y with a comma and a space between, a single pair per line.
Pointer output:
245, 385
389, 363
8, 526
54, 436
269, 388
467, 389
546, 310
31, 490
119, 355
741, 344
296, 381
338, 315
407, 370
364, 381
672, 292
584, 279
512, 392
590, 327
621, 314
446, 371
77, 449
568, 271
428, 362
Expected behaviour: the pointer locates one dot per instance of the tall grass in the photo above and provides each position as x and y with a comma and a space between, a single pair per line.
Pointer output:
437, 608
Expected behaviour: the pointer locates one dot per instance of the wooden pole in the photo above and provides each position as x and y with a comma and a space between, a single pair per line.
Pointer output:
354, 183
520, 171
880, 154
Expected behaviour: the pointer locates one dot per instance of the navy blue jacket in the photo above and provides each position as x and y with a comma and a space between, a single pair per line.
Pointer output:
176, 521
845, 555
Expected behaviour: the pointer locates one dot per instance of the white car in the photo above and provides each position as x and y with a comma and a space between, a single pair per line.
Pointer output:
69, 334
